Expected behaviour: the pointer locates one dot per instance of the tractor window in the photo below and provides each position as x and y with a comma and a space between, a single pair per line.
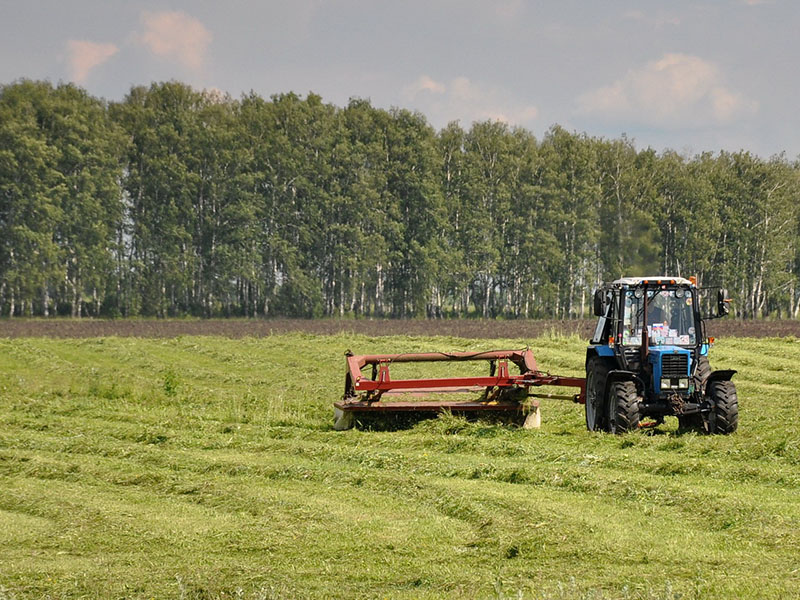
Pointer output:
670, 318
601, 331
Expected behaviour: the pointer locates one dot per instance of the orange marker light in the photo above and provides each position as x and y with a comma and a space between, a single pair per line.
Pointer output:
693, 280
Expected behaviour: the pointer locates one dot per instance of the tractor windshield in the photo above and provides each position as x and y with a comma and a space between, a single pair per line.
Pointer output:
670, 318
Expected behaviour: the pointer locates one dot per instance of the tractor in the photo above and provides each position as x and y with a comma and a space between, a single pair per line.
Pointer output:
648, 359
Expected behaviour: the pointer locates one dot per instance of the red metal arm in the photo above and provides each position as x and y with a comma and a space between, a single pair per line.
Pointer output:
529, 374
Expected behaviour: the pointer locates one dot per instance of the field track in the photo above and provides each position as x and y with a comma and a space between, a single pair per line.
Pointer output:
238, 328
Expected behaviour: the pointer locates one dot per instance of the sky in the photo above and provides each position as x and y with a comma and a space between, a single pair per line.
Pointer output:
686, 75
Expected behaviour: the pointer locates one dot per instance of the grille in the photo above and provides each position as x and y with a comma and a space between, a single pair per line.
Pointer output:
675, 365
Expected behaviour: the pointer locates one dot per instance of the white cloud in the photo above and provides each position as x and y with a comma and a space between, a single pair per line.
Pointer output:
466, 101
424, 84
83, 56
676, 90
176, 36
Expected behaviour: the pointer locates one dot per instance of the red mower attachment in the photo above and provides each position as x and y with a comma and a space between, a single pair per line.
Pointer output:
501, 391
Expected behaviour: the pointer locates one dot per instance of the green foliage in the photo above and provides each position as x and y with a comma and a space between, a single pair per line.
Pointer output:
184, 202
61, 205
171, 383
202, 467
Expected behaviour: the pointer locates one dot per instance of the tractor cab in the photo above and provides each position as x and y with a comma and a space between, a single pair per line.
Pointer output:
648, 356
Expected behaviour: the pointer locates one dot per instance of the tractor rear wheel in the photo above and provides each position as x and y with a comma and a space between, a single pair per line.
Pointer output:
696, 421
623, 407
702, 372
596, 375
724, 418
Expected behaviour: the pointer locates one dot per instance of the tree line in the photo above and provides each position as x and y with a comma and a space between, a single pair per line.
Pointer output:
176, 201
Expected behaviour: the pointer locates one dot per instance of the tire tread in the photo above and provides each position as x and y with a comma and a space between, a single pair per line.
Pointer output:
726, 407
625, 407
600, 367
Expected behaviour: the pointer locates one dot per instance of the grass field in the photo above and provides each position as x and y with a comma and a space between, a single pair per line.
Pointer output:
206, 467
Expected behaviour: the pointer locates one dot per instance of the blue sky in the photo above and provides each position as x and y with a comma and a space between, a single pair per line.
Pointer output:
686, 75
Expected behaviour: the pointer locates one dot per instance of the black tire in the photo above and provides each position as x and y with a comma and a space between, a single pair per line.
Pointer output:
623, 407
696, 421
596, 375
724, 418
702, 372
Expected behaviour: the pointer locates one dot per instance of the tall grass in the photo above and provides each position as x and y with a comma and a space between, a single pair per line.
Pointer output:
202, 467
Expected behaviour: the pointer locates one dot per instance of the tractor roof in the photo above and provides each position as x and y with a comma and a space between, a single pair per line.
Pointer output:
634, 281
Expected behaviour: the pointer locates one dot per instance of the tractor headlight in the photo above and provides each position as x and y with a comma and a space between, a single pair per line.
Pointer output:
675, 383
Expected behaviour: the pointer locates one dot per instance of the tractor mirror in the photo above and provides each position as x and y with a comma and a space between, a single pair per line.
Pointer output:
599, 303
723, 302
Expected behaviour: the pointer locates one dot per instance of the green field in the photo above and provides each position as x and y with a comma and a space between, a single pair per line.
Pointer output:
205, 467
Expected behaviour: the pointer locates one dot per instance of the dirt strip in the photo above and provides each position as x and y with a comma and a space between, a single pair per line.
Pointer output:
236, 328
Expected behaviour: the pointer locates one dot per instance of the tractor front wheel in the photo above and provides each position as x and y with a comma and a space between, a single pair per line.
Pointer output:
691, 422
623, 407
697, 421
724, 417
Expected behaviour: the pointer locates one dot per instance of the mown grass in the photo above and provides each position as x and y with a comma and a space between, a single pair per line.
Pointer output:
205, 467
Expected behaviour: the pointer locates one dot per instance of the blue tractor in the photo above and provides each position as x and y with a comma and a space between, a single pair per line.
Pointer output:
649, 358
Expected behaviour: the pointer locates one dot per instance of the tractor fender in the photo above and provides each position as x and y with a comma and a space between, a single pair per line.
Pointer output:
600, 350
623, 375
721, 375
